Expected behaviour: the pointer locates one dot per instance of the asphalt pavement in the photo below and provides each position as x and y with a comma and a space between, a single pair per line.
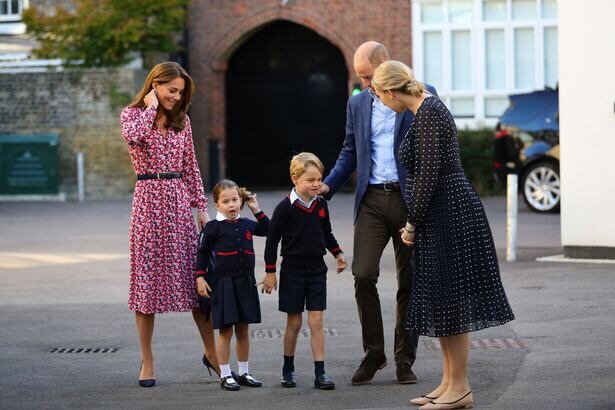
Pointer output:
64, 284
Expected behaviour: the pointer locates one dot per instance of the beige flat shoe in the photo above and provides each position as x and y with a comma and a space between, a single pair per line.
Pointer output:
419, 401
464, 402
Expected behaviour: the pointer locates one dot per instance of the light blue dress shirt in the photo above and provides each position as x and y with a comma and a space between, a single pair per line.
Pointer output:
383, 167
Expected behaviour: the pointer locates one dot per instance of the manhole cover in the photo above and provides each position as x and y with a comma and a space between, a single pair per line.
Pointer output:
83, 350
279, 333
484, 343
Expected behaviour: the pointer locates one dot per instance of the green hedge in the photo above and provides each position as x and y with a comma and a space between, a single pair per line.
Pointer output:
477, 158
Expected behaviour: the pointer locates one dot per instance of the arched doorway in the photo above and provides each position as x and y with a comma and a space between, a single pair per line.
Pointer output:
286, 92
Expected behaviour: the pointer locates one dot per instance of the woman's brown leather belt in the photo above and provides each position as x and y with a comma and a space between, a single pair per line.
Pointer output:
159, 175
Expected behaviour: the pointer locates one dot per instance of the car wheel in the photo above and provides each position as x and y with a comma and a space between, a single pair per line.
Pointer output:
541, 187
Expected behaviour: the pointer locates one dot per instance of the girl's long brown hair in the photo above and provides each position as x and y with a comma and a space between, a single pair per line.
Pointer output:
163, 73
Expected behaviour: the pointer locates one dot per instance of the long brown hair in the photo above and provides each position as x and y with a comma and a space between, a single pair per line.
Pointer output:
163, 73
244, 194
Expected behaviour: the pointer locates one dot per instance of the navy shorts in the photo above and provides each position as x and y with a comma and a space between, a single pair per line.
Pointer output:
303, 288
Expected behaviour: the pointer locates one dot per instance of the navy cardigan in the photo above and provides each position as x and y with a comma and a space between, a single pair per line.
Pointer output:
228, 245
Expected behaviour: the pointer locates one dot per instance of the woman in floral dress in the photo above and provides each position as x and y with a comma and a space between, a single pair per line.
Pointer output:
163, 235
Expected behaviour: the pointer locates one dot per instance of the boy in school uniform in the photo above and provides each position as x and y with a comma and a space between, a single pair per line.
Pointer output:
301, 221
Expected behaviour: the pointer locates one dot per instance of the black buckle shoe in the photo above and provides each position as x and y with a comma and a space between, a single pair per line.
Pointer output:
323, 382
288, 379
247, 380
404, 374
367, 369
228, 383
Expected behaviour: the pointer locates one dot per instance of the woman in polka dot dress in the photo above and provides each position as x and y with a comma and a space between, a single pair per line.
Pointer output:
457, 286
163, 235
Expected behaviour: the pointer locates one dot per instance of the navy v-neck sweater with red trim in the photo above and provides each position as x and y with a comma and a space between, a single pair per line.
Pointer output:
304, 232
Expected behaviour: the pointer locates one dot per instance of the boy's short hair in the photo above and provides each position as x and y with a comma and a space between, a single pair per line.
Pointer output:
301, 161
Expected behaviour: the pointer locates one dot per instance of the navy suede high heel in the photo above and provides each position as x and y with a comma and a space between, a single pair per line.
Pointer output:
146, 382
209, 366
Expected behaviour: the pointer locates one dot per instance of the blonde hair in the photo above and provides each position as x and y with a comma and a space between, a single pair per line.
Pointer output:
163, 73
244, 194
301, 161
396, 76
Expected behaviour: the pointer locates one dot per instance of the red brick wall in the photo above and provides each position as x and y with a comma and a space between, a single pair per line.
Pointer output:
218, 27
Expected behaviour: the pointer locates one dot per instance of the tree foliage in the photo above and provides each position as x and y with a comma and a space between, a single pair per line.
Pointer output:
476, 148
106, 32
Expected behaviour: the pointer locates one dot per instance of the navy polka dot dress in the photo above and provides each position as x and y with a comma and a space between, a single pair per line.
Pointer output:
457, 286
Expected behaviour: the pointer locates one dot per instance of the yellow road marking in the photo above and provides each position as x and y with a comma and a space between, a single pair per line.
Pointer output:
20, 260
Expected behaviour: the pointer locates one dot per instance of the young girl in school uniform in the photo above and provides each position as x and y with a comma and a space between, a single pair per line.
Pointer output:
234, 298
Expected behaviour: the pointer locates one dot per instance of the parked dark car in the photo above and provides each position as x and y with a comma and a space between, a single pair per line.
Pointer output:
527, 143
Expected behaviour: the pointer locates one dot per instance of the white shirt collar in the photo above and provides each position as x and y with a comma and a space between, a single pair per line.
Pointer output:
372, 93
295, 197
221, 217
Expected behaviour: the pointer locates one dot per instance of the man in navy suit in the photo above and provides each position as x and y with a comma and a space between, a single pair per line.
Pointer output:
373, 135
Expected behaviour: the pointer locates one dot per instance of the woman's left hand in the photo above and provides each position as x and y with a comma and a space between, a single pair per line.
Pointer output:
151, 99
202, 218
407, 237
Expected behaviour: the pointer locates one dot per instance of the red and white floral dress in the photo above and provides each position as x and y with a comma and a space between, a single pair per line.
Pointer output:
163, 234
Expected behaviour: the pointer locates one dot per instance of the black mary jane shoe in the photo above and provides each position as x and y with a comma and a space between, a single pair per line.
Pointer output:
247, 380
209, 366
323, 382
228, 383
288, 379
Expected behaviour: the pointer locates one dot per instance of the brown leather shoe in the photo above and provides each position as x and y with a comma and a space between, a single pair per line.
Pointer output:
367, 369
405, 375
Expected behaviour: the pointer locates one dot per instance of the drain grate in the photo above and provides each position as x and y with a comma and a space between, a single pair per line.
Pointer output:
279, 333
83, 350
491, 343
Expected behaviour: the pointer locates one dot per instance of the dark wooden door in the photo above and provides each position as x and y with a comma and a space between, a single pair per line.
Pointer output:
286, 92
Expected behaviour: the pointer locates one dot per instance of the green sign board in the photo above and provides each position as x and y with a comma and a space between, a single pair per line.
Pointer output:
28, 164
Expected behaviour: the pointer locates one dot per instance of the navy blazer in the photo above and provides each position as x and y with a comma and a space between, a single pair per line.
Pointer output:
356, 151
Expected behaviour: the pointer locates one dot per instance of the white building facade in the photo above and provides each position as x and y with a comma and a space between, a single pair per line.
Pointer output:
587, 127
477, 52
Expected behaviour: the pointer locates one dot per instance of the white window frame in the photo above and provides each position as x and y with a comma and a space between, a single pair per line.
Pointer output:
11, 24
22, 4
477, 28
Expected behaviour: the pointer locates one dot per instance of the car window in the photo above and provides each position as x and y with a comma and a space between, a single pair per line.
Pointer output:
524, 137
